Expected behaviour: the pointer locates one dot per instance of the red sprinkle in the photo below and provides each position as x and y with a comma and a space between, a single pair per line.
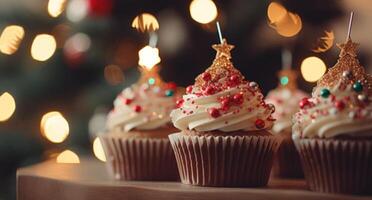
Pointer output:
340, 105
137, 108
179, 103
209, 90
238, 98
260, 123
206, 76
127, 101
172, 85
234, 78
214, 112
304, 102
189, 89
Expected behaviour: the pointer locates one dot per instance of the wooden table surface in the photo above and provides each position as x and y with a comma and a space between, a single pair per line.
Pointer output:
89, 180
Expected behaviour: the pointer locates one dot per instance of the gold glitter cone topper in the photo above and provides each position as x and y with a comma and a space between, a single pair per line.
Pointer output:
287, 79
150, 76
222, 66
347, 62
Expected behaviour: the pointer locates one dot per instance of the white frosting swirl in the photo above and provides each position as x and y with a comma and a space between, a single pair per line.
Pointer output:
141, 107
286, 105
195, 112
344, 112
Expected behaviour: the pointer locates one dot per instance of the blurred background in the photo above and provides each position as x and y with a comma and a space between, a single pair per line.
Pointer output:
62, 62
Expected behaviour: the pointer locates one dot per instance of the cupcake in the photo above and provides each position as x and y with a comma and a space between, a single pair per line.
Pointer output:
224, 122
285, 98
136, 143
333, 130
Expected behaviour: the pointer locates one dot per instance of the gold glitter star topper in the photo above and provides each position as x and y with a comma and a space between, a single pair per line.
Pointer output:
349, 64
221, 67
223, 49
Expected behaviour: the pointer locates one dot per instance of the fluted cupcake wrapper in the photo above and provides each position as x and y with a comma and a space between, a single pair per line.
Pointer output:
140, 158
224, 160
337, 166
287, 162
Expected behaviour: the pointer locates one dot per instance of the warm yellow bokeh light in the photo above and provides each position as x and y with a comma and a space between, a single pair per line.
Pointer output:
68, 156
312, 69
54, 127
7, 106
290, 26
98, 150
10, 39
56, 7
148, 57
145, 22
43, 47
276, 12
203, 11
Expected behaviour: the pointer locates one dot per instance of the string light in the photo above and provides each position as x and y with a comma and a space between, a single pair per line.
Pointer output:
98, 150
148, 57
54, 127
7, 106
11, 38
68, 156
56, 7
203, 11
43, 47
313, 68
145, 22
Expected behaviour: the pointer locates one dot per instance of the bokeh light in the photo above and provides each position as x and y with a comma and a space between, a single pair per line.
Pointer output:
68, 156
43, 47
7, 106
325, 42
56, 7
312, 69
54, 127
113, 74
11, 38
276, 12
98, 150
145, 22
78, 43
148, 57
77, 10
285, 23
203, 11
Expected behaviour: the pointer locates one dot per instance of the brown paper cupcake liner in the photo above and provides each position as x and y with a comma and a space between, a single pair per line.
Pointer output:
337, 166
224, 160
287, 162
140, 158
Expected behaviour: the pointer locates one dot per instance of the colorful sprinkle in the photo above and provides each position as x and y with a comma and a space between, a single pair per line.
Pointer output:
325, 93
137, 108
260, 124
189, 89
214, 112
127, 101
169, 93
357, 86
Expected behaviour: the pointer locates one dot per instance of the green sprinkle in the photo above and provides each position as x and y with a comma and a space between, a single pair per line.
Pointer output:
151, 81
169, 93
284, 80
325, 93
357, 86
